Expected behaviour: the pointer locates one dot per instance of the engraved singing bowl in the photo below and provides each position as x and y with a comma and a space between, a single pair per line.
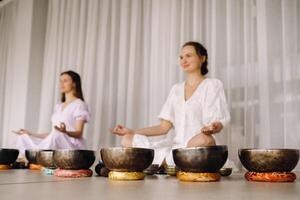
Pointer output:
45, 158
127, 159
31, 155
269, 160
8, 156
74, 159
201, 159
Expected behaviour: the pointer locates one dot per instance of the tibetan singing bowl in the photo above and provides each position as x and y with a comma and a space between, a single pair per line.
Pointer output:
127, 159
45, 158
269, 160
74, 159
31, 155
200, 159
8, 156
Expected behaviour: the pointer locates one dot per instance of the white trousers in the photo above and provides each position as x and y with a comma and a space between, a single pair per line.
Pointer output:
55, 140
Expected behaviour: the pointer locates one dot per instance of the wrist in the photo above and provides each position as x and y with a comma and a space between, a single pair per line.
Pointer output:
210, 132
132, 131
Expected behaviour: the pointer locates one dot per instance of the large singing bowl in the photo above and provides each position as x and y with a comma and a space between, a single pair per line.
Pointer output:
45, 158
269, 160
127, 159
74, 159
8, 156
31, 155
200, 159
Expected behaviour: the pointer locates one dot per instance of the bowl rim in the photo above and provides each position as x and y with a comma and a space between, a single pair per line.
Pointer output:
8, 149
45, 150
126, 148
267, 149
203, 147
33, 150
73, 150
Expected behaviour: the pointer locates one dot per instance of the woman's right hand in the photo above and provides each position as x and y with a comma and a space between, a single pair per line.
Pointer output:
22, 132
121, 130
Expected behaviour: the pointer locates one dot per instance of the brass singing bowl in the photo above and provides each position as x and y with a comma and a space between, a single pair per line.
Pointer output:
269, 160
31, 155
201, 159
127, 159
74, 159
45, 158
8, 156
225, 171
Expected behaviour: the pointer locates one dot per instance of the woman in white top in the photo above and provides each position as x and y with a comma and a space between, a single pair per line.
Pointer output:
68, 120
196, 109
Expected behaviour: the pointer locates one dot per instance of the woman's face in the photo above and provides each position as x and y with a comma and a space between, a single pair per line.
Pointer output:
66, 84
189, 60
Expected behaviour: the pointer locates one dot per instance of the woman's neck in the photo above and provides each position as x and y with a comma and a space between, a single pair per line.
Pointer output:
69, 97
194, 78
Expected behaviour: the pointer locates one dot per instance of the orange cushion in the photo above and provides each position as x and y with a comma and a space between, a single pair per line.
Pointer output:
4, 167
35, 166
271, 176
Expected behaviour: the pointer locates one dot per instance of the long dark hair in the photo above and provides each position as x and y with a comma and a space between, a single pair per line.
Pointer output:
76, 79
201, 51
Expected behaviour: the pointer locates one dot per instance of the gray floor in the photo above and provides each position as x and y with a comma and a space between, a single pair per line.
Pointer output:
33, 185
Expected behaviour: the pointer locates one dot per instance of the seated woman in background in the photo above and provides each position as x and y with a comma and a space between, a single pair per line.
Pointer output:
68, 120
196, 109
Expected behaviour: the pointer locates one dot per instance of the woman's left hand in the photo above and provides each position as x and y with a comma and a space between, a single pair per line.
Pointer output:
213, 128
61, 128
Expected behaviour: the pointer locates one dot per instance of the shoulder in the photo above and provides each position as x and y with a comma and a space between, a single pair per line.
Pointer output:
80, 104
213, 83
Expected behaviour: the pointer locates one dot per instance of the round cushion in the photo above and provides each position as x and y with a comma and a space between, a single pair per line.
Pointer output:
33, 166
73, 173
198, 177
271, 176
4, 167
126, 176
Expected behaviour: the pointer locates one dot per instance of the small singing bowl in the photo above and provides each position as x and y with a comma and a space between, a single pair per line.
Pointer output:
269, 160
127, 159
225, 171
8, 156
31, 155
152, 169
74, 159
208, 159
45, 158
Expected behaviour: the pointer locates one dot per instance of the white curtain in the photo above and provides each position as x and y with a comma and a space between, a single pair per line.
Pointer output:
127, 54
8, 13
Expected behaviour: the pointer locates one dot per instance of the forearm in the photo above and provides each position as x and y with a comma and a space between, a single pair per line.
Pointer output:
152, 131
74, 134
39, 135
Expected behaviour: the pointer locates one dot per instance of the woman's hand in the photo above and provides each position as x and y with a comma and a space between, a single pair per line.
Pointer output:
213, 128
61, 128
79, 126
22, 132
121, 130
